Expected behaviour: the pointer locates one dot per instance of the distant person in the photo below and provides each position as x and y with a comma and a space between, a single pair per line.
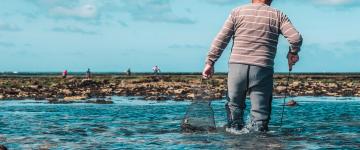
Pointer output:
254, 29
88, 73
64, 74
128, 72
156, 70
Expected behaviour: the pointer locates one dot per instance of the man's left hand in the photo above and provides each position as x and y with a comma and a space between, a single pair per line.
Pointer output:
292, 60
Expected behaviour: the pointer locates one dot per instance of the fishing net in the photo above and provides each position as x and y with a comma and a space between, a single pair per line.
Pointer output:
199, 116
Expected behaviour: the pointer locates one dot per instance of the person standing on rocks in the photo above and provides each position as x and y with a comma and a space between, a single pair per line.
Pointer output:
156, 70
64, 74
128, 72
254, 29
88, 73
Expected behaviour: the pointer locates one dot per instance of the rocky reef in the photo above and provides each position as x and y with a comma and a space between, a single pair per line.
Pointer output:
172, 87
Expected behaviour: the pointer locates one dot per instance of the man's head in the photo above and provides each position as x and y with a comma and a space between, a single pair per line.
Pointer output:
268, 2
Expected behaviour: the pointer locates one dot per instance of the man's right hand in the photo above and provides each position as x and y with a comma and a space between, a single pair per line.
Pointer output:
292, 60
208, 71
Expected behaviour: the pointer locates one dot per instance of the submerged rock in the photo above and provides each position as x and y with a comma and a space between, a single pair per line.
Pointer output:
292, 103
100, 101
158, 98
59, 101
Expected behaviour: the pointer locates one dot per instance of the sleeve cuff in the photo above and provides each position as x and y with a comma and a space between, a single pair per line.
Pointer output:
294, 49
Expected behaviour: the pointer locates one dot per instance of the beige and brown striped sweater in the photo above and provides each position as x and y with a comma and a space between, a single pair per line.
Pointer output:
255, 30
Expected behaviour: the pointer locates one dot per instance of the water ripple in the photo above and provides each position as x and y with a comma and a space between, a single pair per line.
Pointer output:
318, 123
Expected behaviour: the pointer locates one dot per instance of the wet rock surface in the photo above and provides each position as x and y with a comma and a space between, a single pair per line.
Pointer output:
175, 87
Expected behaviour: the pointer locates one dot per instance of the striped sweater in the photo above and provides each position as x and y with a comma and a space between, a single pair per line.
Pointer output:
255, 30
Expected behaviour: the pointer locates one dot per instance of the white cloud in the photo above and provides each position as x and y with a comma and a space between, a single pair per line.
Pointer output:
8, 27
73, 29
334, 2
99, 11
6, 44
153, 11
86, 11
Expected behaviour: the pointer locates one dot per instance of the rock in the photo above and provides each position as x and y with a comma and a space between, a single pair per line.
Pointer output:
294, 93
39, 98
74, 98
45, 147
154, 93
178, 88
280, 89
292, 103
332, 94
51, 99
87, 82
333, 85
191, 96
102, 101
348, 89
57, 101
86, 92
179, 91
34, 87
107, 90
312, 92
321, 84
356, 85
156, 98
119, 91
204, 98
296, 84
348, 92
218, 95
306, 84
178, 98
67, 92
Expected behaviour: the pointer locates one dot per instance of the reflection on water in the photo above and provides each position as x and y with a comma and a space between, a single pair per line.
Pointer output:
317, 123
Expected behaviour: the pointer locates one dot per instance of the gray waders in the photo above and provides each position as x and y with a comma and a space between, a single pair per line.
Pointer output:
258, 82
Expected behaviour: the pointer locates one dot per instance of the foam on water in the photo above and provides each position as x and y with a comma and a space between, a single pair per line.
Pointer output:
137, 101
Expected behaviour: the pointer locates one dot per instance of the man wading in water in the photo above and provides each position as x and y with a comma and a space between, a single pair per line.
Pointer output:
254, 29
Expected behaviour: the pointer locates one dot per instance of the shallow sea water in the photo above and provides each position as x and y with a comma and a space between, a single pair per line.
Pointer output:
318, 123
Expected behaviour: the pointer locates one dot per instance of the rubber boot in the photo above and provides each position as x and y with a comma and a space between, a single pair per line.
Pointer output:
260, 126
235, 118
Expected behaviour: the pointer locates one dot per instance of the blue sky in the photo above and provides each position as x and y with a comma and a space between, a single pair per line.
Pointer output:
113, 35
